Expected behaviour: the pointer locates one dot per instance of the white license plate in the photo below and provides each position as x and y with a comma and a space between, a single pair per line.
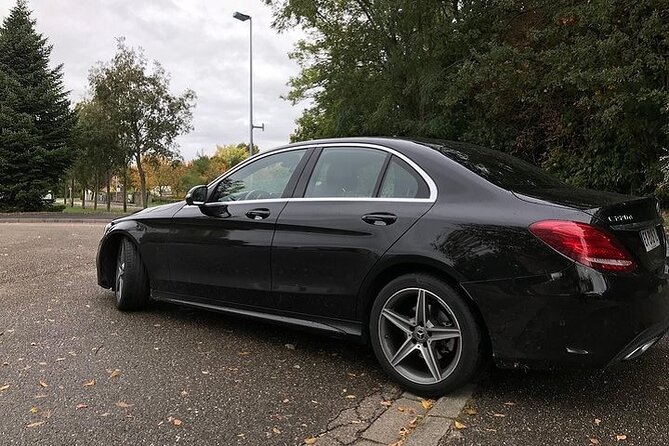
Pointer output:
650, 239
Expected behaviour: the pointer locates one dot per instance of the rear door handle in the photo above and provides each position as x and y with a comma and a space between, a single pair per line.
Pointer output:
380, 218
258, 214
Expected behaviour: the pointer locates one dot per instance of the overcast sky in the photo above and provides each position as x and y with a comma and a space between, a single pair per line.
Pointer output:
199, 43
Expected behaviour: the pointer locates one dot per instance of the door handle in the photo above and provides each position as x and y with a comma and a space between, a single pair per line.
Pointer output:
380, 218
258, 214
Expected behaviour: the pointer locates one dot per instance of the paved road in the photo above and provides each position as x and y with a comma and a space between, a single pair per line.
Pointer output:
80, 372
626, 404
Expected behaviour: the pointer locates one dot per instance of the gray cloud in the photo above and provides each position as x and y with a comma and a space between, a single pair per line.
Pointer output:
199, 43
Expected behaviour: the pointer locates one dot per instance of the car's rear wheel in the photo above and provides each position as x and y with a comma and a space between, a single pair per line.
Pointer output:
425, 335
131, 287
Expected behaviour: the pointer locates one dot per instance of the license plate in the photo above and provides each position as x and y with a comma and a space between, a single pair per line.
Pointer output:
650, 239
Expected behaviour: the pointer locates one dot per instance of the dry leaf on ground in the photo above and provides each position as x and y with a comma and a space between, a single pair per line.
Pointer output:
310, 440
90, 383
5, 387
459, 425
43, 383
471, 411
36, 423
427, 404
123, 405
82, 406
621, 437
34, 409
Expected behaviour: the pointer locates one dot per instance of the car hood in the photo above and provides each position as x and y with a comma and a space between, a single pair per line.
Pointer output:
162, 211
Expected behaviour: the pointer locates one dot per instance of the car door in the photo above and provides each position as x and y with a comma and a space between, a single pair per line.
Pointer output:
351, 205
220, 251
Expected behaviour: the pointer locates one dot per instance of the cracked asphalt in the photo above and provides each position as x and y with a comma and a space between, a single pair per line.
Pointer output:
74, 370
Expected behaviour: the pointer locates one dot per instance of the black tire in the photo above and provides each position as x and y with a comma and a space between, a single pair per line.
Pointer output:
131, 284
461, 357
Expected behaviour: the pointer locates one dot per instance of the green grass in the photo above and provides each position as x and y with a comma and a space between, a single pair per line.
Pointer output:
99, 210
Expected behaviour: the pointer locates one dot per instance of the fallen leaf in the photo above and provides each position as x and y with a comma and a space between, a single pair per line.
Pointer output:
459, 425
114, 373
123, 405
276, 430
206, 372
509, 403
5, 387
241, 435
286, 400
427, 404
82, 406
90, 383
289, 346
386, 403
593, 441
36, 423
498, 415
661, 387
244, 353
43, 384
34, 409
184, 393
350, 397
597, 421
471, 411
176, 422
310, 440
621, 437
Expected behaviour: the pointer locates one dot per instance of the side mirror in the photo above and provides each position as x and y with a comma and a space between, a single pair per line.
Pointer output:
196, 196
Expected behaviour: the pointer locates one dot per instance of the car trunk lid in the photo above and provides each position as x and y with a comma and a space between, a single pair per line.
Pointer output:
636, 222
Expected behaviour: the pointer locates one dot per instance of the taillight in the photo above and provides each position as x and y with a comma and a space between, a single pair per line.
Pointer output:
584, 243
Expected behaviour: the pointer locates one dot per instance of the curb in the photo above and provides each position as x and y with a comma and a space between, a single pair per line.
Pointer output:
55, 220
408, 421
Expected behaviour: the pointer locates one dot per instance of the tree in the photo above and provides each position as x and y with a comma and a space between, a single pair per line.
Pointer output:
579, 88
233, 154
95, 140
146, 114
35, 119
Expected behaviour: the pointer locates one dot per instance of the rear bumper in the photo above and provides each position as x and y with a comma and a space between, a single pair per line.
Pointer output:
574, 318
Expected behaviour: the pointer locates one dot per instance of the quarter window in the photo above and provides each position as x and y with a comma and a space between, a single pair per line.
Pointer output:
346, 173
401, 181
263, 179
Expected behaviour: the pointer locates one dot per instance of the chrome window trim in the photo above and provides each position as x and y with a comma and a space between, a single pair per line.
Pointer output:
432, 186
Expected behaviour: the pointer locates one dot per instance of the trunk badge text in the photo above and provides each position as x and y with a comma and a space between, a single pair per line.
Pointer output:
620, 218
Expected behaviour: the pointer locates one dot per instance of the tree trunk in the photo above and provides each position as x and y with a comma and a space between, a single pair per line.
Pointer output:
142, 180
83, 196
72, 193
95, 191
108, 191
125, 189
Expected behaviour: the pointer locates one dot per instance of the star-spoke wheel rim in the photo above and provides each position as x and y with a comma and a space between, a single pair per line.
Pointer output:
420, 336
120, 270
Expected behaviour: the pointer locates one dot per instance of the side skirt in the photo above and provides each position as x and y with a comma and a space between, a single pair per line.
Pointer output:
336, 328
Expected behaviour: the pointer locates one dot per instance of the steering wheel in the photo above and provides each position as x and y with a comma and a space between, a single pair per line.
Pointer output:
256, 194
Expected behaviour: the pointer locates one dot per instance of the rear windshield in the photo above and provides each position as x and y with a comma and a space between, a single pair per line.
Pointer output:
499, 168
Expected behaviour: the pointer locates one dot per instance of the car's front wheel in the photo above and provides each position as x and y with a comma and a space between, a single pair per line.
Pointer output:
131, 287
425, 335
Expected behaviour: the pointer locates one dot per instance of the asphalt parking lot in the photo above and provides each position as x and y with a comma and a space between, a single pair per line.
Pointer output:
74, 370
80, 372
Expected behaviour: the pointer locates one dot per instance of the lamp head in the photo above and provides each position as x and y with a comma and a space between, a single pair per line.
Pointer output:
242, 17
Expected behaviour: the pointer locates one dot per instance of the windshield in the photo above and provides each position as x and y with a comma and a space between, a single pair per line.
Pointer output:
499, 168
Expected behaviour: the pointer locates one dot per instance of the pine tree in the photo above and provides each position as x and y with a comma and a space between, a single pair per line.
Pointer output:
35, 116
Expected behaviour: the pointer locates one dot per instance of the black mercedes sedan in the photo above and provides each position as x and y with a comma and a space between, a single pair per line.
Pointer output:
441, 255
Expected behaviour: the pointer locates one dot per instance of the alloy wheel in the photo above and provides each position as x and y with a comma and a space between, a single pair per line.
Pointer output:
120, 270
420, 336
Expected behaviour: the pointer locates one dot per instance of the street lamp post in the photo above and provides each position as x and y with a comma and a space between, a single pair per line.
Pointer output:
244, 18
